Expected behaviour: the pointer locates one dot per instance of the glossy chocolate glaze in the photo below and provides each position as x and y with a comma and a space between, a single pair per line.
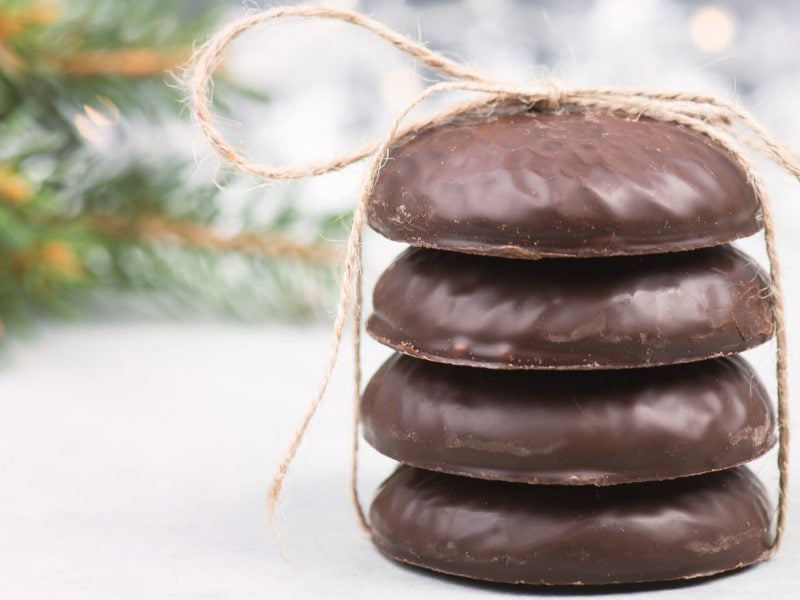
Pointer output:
533, 185
518, 533
559, 427
571, 313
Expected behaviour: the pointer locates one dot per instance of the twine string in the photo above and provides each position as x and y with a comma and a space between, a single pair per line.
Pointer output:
720, 120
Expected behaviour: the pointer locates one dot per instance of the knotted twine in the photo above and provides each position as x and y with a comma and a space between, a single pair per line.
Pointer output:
720, 120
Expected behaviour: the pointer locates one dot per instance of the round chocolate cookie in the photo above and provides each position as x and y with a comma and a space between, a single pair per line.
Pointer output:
592, 313
534, 185
559, 427
519, 533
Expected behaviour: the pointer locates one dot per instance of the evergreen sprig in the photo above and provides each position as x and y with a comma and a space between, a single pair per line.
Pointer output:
72, 221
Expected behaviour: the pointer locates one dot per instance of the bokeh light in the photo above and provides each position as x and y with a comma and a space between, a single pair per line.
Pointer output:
712, 29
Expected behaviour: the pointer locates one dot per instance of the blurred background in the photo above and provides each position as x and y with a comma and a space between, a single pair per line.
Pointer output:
164, 319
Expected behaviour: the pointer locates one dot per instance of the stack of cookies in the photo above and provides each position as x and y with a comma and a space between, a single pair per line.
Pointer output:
566, 398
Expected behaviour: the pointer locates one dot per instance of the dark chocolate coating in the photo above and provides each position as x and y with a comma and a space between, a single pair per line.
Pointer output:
560, 427
591, 313
519, 533
540, 185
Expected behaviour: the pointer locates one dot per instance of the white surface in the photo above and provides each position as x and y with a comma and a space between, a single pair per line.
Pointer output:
135, 457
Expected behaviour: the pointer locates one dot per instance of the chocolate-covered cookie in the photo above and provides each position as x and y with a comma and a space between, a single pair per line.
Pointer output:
589, 313
536, 185
520, 533
559, 427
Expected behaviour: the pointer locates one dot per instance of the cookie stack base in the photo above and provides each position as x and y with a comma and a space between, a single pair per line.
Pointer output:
558, 535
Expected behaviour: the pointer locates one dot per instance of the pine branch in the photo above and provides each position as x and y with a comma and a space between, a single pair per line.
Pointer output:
94, 221
138, 62
266, 244
134, 229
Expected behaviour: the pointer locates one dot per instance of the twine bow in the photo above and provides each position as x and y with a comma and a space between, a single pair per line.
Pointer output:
720, 120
